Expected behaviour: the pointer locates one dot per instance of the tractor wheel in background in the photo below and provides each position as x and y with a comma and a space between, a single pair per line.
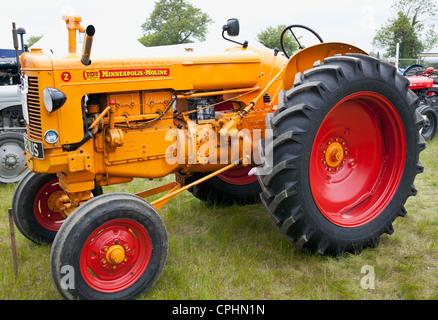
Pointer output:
117, 246
414, 70
431, 122
345, 154
34, 206
227, 188
12, 159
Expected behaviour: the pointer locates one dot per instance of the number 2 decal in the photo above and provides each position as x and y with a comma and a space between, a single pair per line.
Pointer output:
66, 76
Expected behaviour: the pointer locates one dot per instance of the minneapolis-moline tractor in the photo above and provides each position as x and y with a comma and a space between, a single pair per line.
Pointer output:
327, 139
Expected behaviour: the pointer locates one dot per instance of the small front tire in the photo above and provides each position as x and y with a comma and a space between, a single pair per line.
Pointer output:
34, 206
116, 246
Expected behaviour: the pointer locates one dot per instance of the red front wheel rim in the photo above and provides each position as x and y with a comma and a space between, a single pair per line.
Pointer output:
357, 159
45, 207
115, 255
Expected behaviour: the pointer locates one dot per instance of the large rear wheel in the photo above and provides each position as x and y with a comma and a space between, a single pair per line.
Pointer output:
345, 154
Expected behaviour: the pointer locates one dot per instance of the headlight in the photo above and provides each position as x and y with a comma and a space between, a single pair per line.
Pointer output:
51, 136
53, 99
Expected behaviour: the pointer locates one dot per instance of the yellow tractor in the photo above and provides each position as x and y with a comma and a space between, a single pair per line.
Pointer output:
327, 139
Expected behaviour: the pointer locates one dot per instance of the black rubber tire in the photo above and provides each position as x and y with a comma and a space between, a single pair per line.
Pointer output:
71, 238
287, 194
430, 128
415, 71
215, 191
17, 139
23, 207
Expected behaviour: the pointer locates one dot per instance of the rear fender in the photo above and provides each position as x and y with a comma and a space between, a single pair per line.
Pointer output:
305, 58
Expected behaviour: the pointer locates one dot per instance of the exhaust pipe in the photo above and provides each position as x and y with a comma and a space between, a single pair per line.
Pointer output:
86, 51
15, 38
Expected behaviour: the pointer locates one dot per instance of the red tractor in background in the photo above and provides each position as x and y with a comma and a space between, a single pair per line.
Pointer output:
424, 83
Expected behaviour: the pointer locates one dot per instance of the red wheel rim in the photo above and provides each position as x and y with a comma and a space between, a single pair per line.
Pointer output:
238, 176
357, 159
115, 255
44, 206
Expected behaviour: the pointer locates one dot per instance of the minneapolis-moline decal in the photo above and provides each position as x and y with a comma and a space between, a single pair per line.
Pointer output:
124, 73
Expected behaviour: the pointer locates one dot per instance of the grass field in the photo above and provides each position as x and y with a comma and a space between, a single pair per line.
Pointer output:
237, 253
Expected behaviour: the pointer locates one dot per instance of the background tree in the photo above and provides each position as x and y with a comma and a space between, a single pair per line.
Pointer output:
32, 40
399, 31
174, 22
270, 37
414, 28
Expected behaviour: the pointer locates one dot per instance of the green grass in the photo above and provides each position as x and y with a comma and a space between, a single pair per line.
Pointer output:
237, 253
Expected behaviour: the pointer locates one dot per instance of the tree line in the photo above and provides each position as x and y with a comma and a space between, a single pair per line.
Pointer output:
412, 25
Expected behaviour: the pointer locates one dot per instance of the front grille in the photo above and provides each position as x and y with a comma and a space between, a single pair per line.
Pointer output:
34, 130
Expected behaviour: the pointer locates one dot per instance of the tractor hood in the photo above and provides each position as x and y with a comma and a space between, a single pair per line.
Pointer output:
55, 46
420, 82
195, 66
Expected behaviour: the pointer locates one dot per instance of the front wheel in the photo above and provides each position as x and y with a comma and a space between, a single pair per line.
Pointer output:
345, 154
35, 209
112, 247
431, 122
12, 159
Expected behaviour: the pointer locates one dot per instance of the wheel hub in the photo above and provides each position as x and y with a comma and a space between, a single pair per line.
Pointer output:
335, 154
46, 205
115, 254
52, 203
10, 161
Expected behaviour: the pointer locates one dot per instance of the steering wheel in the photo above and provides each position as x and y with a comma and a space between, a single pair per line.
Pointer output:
296, 39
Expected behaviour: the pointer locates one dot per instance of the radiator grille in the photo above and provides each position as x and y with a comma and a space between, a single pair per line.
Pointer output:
34, 130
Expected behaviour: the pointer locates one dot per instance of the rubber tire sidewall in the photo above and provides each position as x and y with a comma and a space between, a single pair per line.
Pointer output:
23, 207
